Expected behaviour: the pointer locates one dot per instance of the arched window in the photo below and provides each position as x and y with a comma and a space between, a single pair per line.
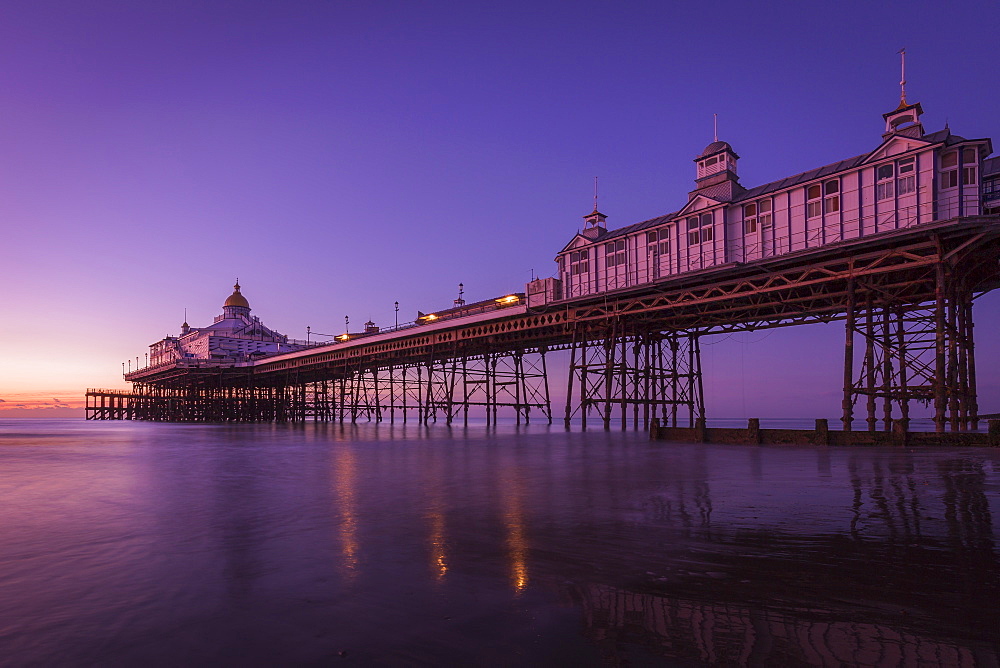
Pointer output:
814, 201
831, 196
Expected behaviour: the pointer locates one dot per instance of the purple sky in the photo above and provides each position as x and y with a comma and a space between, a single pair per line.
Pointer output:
339, 156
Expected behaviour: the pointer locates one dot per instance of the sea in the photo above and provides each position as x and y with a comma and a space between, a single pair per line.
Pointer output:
150, 544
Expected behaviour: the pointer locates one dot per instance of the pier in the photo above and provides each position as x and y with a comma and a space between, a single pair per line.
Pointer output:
905, 297
897, 243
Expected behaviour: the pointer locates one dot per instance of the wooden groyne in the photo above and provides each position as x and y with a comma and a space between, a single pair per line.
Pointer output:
823, 435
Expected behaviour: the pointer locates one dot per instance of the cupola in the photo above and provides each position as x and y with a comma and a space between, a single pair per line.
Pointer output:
717, 158
716, 172
236, 304
594, 224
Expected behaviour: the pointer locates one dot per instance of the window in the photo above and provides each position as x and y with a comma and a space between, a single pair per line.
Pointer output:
906, 185
831, 196
764, 216
885, 186
814, 201
660, 240
757, 216
949, 170
694, 233
699, 228
614, 253
906, 182
579, 262
969, 166
750, 219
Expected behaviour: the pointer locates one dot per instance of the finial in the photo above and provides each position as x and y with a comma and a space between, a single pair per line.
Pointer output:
237, 286
595, 193
902, 76
715, 127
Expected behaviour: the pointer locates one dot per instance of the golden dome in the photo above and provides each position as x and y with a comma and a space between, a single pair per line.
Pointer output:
236, 299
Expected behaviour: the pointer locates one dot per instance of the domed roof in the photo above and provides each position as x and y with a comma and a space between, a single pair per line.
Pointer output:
716, 147
236, 299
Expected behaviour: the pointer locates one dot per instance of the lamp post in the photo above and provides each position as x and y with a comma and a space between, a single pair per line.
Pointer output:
123, 369
147, 359
308, 332
397, 313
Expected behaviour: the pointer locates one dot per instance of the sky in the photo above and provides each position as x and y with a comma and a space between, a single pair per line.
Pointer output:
339, 156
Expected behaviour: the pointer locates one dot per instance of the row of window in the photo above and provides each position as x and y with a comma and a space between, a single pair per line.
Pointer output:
949, 168
699, 229
894, 179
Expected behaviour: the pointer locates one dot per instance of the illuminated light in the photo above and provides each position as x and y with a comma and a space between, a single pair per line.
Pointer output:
344, 337
509, 299
430, 316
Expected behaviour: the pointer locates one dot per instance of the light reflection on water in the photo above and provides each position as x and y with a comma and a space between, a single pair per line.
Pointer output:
133, 543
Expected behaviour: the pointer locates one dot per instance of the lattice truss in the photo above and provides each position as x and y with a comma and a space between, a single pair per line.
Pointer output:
490, 381
426, 391
910, 352
639, 375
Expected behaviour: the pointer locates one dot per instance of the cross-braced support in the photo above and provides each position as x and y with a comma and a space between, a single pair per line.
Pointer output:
911, 352
643, 374
491, 381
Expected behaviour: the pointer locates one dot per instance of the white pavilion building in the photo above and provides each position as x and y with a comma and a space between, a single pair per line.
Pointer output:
234, 336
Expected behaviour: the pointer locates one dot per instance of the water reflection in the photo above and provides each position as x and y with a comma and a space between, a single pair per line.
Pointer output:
733, 634
345, 510
421, 545
514, 525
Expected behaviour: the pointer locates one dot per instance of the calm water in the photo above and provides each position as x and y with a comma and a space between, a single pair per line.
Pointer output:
152, 544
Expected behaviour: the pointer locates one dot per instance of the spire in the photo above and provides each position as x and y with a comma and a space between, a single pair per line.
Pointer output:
595, 219
715, 127
904, 119
902, 77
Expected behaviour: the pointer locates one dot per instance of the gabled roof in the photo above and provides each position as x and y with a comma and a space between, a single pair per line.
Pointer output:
579, 235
